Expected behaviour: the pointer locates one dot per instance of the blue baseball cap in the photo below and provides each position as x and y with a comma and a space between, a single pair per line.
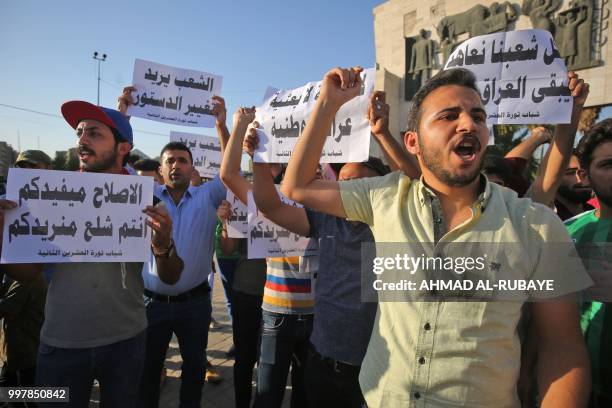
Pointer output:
76, 111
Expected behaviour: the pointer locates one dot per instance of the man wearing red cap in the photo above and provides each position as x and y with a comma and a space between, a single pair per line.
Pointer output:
95, 317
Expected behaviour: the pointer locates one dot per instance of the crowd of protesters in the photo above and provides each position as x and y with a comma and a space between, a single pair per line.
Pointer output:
68, 324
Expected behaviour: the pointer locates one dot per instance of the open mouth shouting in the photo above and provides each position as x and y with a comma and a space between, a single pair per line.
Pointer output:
85, 153
467, 149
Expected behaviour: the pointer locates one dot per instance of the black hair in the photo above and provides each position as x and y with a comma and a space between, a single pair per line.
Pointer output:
598, 134
377, 165
176, 146
456, 76
119, 139
496, 164
146, 165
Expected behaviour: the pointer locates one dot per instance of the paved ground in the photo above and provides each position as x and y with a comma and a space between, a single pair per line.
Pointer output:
219, 341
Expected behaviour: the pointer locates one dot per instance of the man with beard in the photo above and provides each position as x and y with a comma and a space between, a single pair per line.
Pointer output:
184, 308
440, 353
592, 232
95, 318
573, 194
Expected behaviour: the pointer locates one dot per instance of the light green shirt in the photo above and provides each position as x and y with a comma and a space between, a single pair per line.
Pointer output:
452, 353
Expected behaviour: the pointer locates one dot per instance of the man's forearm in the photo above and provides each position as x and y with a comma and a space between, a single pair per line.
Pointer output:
264, 192
223, 135
230, 165
169, 269
526, 148
397, 157
302, 167
564, 378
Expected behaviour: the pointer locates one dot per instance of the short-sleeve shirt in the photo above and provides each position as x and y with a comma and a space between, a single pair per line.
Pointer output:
450, 353
343, 322
589, 232
93, 304
193, 229
289, 285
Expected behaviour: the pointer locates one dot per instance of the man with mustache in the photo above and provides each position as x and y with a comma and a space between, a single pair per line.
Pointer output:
573, 194
183, 308
95, 318
592, 232
432, 352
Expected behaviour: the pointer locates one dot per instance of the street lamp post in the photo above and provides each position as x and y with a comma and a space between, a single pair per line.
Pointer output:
99, 59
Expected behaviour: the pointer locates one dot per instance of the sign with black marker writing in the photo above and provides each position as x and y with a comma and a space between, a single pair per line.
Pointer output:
238, 223
205, 150
174, 95
268, 240
284, 114
65, 216
521, 76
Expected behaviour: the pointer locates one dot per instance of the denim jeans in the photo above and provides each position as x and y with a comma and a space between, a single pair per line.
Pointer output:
226, 270
246, 323
189, 320
284, 343
117, 367
332, 385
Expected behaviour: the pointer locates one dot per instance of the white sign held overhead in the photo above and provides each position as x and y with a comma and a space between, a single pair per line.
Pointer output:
284, 114
174, 95
521, 76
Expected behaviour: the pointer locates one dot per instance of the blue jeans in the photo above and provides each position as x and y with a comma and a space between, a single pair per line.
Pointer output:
226, 269
117, 367
284, 342
189, 320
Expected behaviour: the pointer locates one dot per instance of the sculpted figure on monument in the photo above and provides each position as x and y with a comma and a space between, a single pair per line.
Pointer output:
540, 13
421, 60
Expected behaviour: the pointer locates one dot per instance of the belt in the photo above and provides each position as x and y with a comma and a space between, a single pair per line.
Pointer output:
337, 366
199, 291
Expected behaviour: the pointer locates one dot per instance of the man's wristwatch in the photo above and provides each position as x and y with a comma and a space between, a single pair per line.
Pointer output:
167, 253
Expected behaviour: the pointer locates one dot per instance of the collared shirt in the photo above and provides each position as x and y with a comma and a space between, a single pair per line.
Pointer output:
193, 230
451, 353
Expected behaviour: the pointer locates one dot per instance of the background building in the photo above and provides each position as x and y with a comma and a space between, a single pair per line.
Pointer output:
413, 37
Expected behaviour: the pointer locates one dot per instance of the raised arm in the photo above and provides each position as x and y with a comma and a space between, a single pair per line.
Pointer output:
300, 182
267, 199
524, 150
230, 165
220, 113
397, 156
549, 175
125, 100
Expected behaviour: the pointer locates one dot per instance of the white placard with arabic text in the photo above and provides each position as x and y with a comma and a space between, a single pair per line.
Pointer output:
66, 216
238, 223
284, 114
520, 74
174, 95
268, 240
205, 150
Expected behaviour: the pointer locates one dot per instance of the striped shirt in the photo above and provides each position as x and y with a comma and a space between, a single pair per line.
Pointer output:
289, 285
592, 237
